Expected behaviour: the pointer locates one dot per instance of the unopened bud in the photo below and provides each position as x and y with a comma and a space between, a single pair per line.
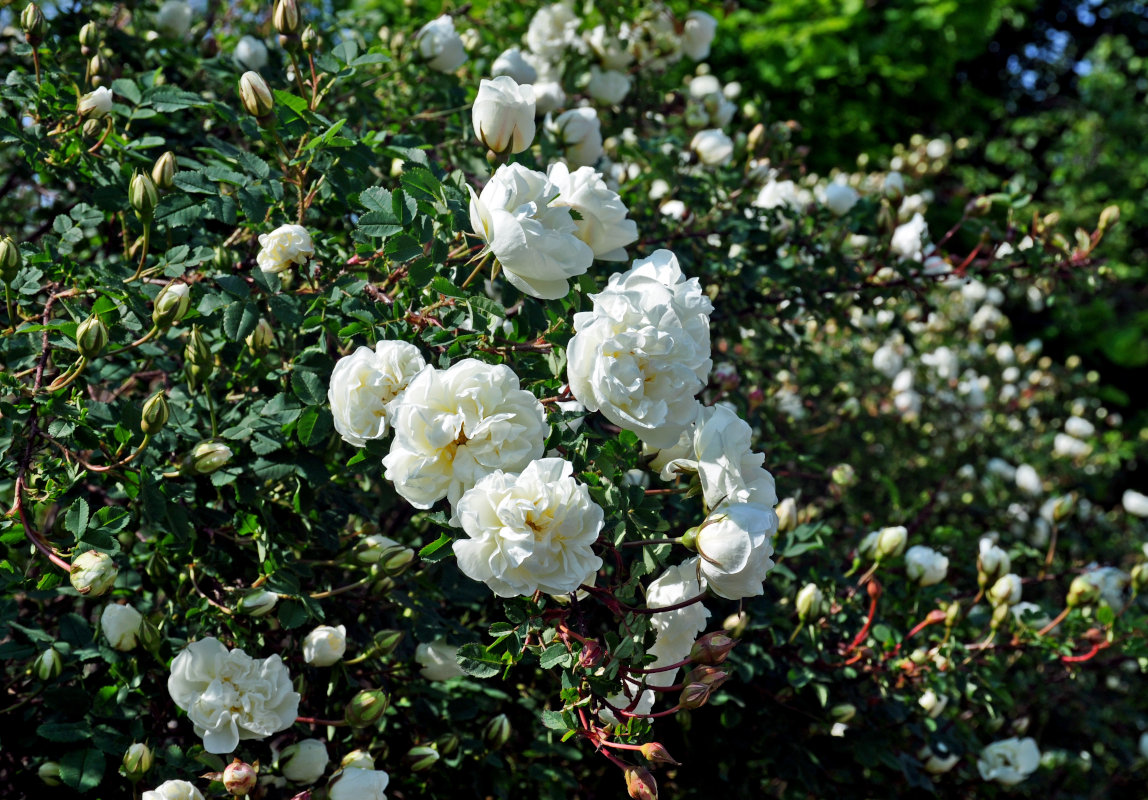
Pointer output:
497, 732
786, 515
92, 129
358, 759
843, 712
809, 602
285, 18
694, 696
844, 475
137, 761
1006, 591
366, 708
93, 573
171, 304
891, 542
713, 648
200, 361
591, 654
755, 138
33, 24
952, 614
207, 457
713, 677
421, 758
640, 784
91, 337
89, 37
149, 635
239, 778
1001, 613
978, 206
394, 560
143, 196
258, 603
1082, 592
386, 642
656, 753
1108, 217
1139, 577
155, 414
309, 39
49, 773
255, 95
48, 665
163, 171
10, 259
260, 339
95, 67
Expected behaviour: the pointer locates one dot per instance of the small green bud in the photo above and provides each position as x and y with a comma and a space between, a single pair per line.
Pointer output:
171, 304
200, 361
258, 603
155, 414
285, 18
260, 339
49, 773
843, 712
137, 761
163, 171
1139, 577
91, 337
358, 759
952, 614
89, 37
366, 708
33, 24
143, 196
421, 758
497, 732
844, 475
207, 457
309, 39
95, 67
48, 665
93, 573
256, 96
447, 744
1001, 613
1108, 217
1082, 592
149, 635
694, 696
92, 129
809, 601
891, 542
386, 642
10, 259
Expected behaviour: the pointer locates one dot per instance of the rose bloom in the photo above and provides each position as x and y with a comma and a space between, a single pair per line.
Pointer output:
250, 53
97, 103
503, 115
908, 240
304, 761
529, 532
173, 19
728, 468
1135, 503
608, 86
698, 35
713, 146
735, 548
512, 64
284, 246
438, 660
552, 29
452, 427
121, 625
440, 46
579, 133
173, 790
325, 645
603, 224
365, 382
643, 352
925, 565
840, 198
352, 783
1009, 761
228, 695
534, 238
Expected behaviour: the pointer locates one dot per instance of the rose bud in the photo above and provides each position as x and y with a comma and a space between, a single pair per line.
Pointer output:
91, 337
366, 708
640, 784
239, 778
421, 758
497, 732
256, 96
713, 648
137, 761
155, 414
93, 573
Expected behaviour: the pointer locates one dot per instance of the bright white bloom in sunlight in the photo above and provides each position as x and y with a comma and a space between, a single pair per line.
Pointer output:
1009, 761
1079, 427
503, 115
713, 147
1135, 503
229, 696
552, 29
840, 198
352, 783
603, 224
440, 45
933, 703
734, 544
121, 625
535, 239
284, 246
698, 35
365, 382
608, 86
250, 53
1028, 480
778, 194
512, 64
173, 790
908, 239
925, 565
1067, 446
305, 761
438, 661
579, 134
95, 104
643, 352
529, 532
1112, 583
173, 19
325, 645
611, 51
452, 427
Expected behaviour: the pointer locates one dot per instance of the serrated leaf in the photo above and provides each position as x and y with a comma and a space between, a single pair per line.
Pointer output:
438, 549
76, 521
308, 387
554, 720
474, 660
126, 89
555, 656
64, 731
82, 769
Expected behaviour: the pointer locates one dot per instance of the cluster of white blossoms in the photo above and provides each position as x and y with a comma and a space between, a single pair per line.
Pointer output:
364, 383
284, 247
229, 696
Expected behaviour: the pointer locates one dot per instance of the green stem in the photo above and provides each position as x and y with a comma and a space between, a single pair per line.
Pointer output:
143, 252
68, 376
211, 411
11, 308
477, 270
147, 337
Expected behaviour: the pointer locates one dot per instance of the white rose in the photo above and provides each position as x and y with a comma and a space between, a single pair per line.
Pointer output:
888, 361
173, 19
1111, 583
925, 565
608, 86
734, 544
548, 96
438, 660
579, 134
440, 46
512, 64
228, 695
352, 783
250, 53
840, 198
1006, 591
95, 104
611, 52
453, 427
603, 224
1028, 480
908, 239
529, 532
1009, 761
890, 542
1079, 427
1036, 617
643, 352
1002, 469
534, 239
325, 645
503, 115
284, 246
120, 625
992, 559
304, 762
729, 470
698, 35
1135, 503
173, 790
1067, 446
552, 29
713, 146
365, 382
933, 703
778, 194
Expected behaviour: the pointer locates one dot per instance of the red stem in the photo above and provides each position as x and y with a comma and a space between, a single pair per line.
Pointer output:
874, 595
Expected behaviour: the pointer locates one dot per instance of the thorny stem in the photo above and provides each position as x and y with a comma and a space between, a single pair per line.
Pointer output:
1059, 619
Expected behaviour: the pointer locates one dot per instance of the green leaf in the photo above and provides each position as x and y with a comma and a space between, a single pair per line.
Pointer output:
438, 549
474, 660
555, 656
554, 720
82, 769
76, 520
64, 731
308, 387
122, 87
